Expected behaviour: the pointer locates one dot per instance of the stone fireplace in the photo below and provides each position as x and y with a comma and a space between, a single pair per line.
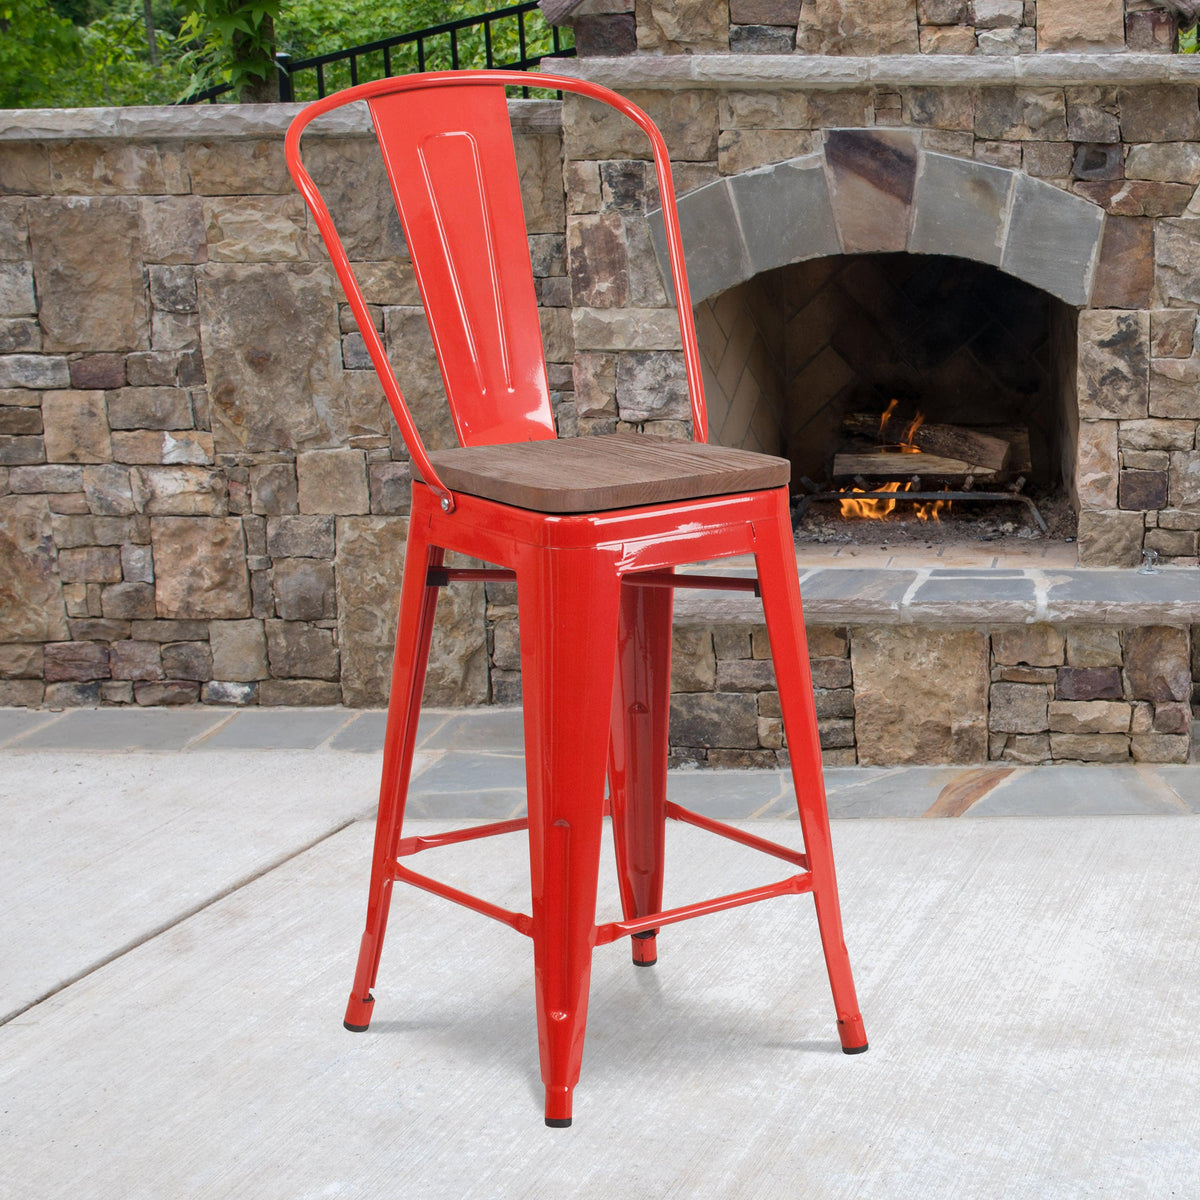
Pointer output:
971, 168
984, 207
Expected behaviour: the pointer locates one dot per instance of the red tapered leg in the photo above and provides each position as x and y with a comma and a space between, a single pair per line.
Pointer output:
776, 561
637, 772
414, 630
567, 605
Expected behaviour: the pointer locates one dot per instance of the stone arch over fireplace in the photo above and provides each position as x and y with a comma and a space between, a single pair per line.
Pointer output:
867, 193
877, 190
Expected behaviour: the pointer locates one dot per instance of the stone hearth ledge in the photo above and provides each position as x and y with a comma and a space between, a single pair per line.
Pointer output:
968, 596
227, 122
749, 71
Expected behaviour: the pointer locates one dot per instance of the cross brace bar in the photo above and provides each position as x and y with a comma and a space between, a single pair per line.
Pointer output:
794, 885
441, 576
609, 932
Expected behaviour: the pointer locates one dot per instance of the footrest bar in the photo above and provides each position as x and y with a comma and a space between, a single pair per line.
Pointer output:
515, 920
795, 885
678, 813
414, 845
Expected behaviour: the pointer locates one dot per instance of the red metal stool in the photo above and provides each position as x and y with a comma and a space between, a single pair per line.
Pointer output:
591, 529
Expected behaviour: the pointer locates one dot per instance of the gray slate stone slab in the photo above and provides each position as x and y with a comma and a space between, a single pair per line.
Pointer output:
716, 256
981, 598
1078, 791
119, 729
1172, 596
961, 209
1053, 240
16, 722
490, 730
785, 213
278, 729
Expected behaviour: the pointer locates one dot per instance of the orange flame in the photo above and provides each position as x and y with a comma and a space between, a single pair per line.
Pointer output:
877, 509
906, 443
887, 416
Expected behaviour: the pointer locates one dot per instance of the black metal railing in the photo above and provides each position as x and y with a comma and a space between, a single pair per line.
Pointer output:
440, 47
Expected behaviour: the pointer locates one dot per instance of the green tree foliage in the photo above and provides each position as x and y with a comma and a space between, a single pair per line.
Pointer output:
233, 42
33, 41
79, 53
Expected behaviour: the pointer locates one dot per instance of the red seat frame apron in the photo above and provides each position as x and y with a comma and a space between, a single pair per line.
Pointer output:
594, 589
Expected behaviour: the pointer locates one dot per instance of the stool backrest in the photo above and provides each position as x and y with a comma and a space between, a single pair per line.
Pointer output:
448, 149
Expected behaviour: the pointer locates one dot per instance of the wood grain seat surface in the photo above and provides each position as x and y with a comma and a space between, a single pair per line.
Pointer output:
593, 474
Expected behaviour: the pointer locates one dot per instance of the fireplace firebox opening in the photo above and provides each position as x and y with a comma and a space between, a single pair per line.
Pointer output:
891, 373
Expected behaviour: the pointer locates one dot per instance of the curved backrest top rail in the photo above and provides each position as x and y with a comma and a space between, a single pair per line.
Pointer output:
452, 168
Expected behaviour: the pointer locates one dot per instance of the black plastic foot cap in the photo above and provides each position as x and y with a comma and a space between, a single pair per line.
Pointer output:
558, 1122
646, 963
364, 1028
855, 1049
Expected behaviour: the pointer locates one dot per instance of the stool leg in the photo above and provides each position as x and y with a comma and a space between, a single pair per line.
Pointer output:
637, 773
418, 603
780, 586
568, 602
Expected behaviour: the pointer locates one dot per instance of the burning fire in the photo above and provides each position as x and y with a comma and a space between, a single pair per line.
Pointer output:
906, 445
878, 508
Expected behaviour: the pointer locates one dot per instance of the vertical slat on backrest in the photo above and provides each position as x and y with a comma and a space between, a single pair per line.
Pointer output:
450, 158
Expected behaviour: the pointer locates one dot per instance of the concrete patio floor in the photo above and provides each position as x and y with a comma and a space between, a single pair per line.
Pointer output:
181, 904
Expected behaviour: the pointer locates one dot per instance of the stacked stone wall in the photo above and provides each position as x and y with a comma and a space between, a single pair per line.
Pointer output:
868, 27
910, 694
202, 493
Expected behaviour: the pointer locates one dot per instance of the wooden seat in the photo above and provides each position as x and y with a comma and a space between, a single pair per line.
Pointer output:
617, 470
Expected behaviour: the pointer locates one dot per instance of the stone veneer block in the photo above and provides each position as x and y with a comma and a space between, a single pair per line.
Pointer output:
332, 481
1157, 663
239, 650
920, 695
626, 329
1093, 646
1125, 272
278, 387
87, 265
1114, 364
1081, 25
1053, 240
1029, 645
961, 209
353, 180
682, 26
180, 491
764, 12
1096, 464
1163, 113
1110, 538
1177, 259
1185, 480
598, 260
858, 27
1089, 716
16, 290
1018, 707
76, 427
31, 595
200, 568
1175, 388
873, 176
785, 214
1090, 747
